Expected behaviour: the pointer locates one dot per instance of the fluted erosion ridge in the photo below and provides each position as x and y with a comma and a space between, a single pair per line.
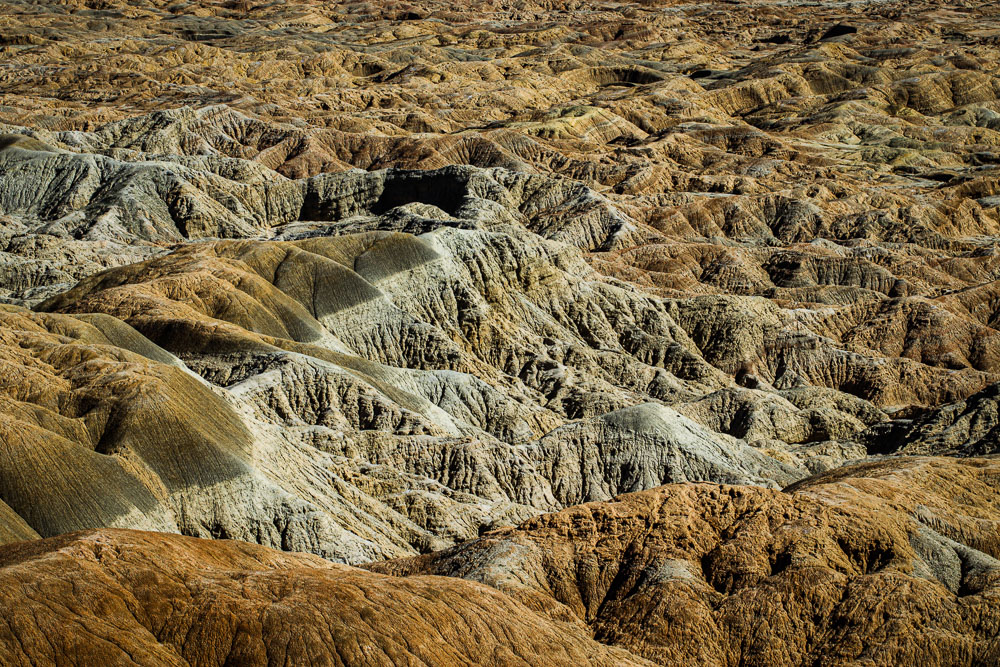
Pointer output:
879, 563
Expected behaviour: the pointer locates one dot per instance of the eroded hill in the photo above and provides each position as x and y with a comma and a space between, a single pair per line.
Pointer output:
428, 286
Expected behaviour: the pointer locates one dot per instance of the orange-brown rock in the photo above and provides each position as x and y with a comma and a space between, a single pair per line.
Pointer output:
840, 167
372, 280
881, 563
116, 597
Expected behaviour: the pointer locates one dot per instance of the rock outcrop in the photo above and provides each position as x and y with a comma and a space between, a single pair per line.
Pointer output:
384, 393
880, 563
116, 597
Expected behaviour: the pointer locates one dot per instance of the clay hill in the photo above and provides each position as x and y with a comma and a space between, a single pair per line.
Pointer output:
499, 332
877, 563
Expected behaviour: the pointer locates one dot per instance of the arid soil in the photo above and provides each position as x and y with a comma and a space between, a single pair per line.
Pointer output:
502, 332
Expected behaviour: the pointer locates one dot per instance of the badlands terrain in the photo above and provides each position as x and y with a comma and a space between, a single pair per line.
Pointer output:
499, 332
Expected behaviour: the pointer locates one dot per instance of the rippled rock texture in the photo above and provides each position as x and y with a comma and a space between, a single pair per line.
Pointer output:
378, 281
875, 564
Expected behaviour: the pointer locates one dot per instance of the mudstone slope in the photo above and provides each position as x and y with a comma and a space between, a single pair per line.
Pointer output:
593, 332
